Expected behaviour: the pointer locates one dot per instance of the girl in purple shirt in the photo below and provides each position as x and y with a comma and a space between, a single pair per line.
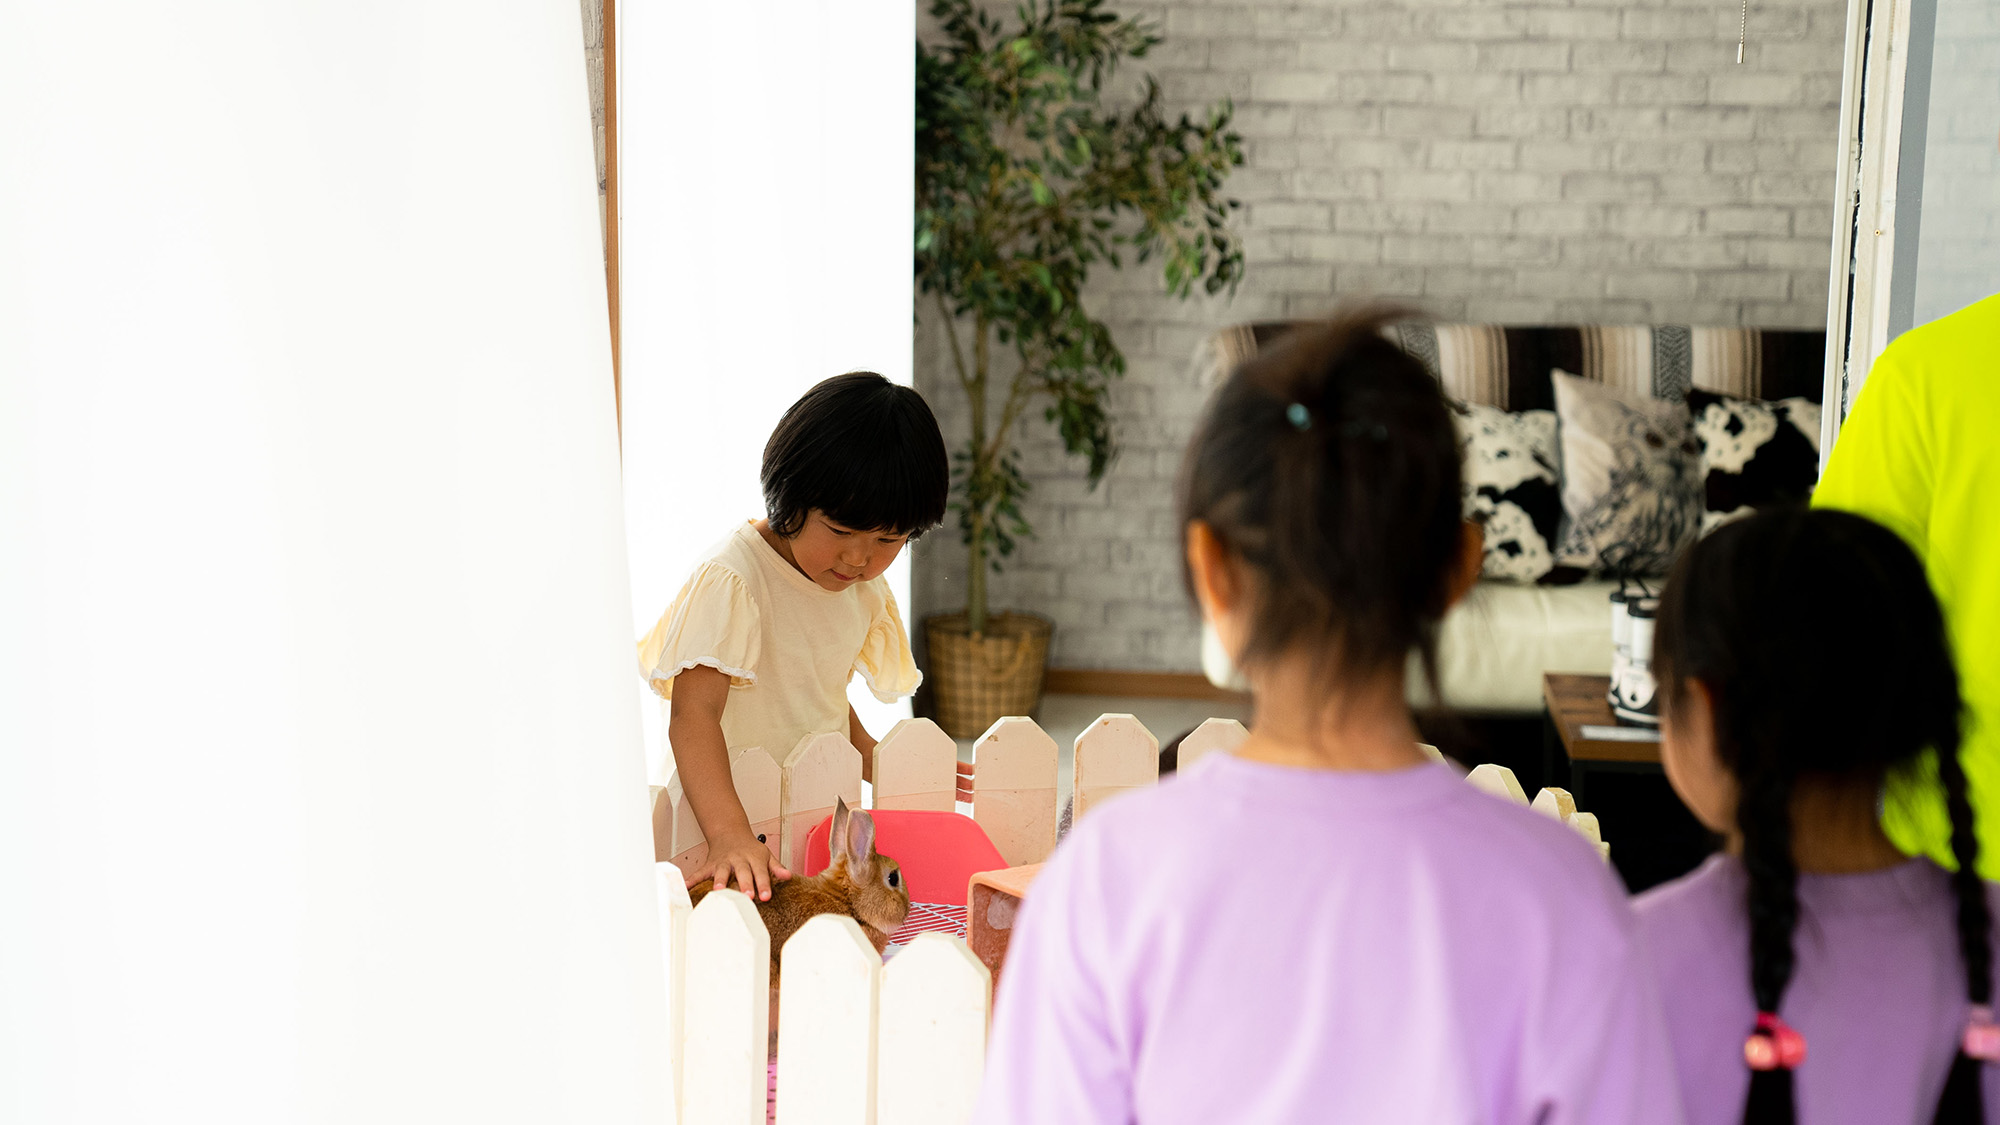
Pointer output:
1812, 972
1324, 925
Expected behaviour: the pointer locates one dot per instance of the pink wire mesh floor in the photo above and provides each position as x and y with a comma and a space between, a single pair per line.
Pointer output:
927, 918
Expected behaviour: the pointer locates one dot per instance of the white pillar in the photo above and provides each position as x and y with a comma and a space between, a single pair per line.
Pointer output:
321, 787
767, 188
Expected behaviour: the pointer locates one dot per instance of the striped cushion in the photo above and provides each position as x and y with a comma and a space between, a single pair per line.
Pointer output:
1509, 367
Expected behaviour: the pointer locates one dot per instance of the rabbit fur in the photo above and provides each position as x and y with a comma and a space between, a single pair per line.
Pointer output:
857, 882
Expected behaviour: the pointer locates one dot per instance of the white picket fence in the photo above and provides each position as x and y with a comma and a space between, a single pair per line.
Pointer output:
904, 1042
896, 1044
1557, 803
917, 767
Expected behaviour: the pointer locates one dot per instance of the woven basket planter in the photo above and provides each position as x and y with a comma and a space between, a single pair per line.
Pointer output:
978, 681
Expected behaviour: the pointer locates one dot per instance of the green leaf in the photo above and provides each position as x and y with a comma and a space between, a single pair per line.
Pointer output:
1025, 182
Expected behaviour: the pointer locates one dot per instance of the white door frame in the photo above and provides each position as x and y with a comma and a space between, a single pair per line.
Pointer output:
1864, 229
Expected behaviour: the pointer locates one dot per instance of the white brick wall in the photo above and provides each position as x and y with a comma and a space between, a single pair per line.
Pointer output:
1601, 161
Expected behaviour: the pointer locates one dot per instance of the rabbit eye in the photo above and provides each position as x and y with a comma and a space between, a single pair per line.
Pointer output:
895, 878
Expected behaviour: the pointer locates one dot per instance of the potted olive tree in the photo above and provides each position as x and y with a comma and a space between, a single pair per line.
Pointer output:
1025, 181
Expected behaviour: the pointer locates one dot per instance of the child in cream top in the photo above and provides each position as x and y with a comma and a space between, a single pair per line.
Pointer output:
746, 605
761, 644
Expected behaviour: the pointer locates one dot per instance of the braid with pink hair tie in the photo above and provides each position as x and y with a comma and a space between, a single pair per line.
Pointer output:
1776, 1045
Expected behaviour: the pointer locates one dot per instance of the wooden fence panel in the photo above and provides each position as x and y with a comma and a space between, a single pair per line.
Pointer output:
674, 911
1586, 823
1210, 736
827, 1025
686, 847
935, 996
1557, 803
1014, 789
1112, 755
1499, 781
757, 780
1589, 825
727, 1043
820, 768
916, 767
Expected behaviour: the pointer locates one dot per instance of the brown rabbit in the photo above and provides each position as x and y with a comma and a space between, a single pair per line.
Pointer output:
857, 882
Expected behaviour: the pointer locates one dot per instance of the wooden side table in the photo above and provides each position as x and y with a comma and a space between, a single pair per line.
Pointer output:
1582, 729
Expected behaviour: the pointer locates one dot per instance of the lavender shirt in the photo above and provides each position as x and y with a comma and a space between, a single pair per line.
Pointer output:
1879, 991
1254, 943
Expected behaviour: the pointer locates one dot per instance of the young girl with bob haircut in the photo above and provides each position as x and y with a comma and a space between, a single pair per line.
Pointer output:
1325, 925
760, 644
1812, 972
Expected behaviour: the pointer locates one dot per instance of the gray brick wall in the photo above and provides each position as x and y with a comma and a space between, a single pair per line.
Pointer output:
1605, 161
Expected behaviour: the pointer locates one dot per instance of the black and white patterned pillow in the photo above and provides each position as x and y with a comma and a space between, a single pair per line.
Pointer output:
1512, 488
1754, 454
1631, 495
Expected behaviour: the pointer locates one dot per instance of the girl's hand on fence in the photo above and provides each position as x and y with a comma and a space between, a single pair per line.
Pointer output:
745, 861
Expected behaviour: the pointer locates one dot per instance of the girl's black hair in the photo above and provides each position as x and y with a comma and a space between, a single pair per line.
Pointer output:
1328, 464
865, 451
1745, 613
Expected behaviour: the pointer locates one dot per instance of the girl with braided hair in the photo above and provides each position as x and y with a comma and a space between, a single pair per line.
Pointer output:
1869, 974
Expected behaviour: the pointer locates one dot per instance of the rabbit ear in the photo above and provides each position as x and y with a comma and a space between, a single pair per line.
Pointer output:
836, 838
860, 836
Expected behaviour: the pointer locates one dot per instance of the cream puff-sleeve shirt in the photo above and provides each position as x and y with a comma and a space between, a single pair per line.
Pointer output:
788, 646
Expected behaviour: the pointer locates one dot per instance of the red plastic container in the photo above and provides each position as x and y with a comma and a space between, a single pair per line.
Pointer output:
939, 852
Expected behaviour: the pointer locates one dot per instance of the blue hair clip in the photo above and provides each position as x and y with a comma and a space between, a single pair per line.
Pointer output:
1296, 414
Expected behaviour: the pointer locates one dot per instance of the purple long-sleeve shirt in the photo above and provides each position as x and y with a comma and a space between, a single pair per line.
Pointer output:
1878, 993
1256, 943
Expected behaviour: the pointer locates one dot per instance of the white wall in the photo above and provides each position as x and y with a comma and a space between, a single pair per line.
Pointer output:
765, 187
1958, 257
321, 789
